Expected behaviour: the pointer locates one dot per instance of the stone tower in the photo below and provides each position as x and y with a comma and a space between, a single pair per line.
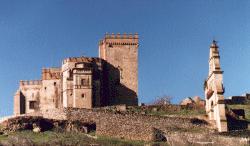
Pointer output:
214, 90
81, 81
120, 52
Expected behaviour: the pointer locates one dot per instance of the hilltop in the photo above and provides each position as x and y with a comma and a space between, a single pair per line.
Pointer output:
118, 125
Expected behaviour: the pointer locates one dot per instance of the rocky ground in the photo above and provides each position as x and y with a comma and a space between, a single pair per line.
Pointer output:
63, 138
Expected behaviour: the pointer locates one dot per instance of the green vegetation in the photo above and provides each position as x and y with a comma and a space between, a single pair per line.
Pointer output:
246, 107
182, 112
65, 138
115, 141
163, 111
1, 127
3, 137
190, 112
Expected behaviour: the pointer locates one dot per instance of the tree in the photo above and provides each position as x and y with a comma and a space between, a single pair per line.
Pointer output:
162, 100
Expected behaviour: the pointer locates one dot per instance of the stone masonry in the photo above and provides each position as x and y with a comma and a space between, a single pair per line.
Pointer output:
126, 125
214, 90
86, 82
121, 54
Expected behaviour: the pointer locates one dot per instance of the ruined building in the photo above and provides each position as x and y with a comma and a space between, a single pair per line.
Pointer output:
214, 90
86, 82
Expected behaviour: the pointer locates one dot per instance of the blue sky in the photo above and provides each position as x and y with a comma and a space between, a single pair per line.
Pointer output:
174, 41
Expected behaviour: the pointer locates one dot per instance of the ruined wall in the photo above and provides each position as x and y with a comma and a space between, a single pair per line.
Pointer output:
29, 95
35, 95
57, 114
122, 125
130, 126
139, 127
238, 99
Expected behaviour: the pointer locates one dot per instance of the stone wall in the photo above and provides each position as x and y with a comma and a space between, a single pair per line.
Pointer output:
57, 114
128, 126
132, 126
50, 94
244, 99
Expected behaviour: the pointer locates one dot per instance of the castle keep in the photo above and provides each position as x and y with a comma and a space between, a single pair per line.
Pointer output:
86, 82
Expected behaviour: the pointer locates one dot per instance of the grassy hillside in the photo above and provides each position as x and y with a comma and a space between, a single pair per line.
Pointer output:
164, 110
64, 138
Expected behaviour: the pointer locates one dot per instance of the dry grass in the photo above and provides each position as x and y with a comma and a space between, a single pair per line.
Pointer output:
66, 138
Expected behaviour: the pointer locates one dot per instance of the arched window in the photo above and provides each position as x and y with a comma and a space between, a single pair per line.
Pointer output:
120, 72
212, 103
83, 81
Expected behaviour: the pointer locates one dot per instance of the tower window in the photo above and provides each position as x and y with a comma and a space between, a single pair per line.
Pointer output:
32, 104
83, 95
54, 83
120, 72
110, 45
84, 82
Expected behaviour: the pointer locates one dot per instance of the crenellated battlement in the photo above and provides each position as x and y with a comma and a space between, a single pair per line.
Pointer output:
52, 69
121, 36
81, 59
51, 73
30, 82
120, 39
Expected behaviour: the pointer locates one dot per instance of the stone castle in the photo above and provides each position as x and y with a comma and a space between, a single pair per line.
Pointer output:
112, 79
86, 82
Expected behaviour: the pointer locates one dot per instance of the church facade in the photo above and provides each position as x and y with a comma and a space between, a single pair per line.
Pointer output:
86, 82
